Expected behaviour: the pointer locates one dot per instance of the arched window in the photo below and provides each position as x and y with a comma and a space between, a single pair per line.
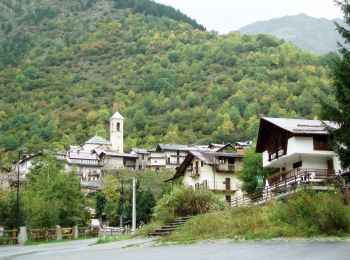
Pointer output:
118, 126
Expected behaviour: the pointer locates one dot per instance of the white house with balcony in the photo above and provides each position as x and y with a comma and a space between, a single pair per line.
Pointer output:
298, 149
214, 171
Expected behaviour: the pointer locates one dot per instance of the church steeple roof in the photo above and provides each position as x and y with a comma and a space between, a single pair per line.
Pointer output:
117, 115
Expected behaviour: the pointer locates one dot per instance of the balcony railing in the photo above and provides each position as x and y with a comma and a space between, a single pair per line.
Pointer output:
216, 186
282, 184
227, 167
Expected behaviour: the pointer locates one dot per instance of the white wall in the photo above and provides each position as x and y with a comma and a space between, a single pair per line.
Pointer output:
302, 148
208, 173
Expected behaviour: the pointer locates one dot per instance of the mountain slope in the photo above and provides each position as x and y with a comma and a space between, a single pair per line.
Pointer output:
317, 35
71, 66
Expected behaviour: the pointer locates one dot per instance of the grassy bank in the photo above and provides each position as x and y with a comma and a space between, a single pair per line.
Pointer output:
306, 214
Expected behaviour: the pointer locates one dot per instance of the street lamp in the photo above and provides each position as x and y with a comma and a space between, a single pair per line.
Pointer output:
21, 151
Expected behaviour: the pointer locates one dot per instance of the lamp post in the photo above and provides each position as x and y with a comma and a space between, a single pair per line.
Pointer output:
21, 151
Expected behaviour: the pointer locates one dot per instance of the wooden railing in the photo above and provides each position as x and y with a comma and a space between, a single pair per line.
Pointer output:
226, 167
68, 233
8, 237
41, 234
215, 186
88, 231
284, 184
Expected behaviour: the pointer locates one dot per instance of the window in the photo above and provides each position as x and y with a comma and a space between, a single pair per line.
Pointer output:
202, 163
321, 143
297, 164
118, 126
143, 156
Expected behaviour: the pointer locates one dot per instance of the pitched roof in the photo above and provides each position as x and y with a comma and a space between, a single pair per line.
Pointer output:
82, 155
290, 127
140, 150
98, 140
173, 147
300, 126
204, 156
247, 143
100, 153
117, 115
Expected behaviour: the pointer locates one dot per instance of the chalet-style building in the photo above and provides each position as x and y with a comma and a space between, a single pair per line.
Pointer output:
215, 171
298, 149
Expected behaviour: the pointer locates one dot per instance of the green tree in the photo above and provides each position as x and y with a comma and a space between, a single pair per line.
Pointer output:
252, 167
338, 110
112, 195
100, 204
52, 197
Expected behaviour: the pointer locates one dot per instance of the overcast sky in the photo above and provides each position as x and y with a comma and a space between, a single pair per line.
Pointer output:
229, 15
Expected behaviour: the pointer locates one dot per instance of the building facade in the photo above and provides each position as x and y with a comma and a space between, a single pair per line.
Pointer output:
298, 149
214, 171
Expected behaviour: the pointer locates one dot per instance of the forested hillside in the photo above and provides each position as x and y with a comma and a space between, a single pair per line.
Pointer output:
317, 35
65, 66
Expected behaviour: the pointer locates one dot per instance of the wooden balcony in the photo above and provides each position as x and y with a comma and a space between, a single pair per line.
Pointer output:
227, 168
215, 186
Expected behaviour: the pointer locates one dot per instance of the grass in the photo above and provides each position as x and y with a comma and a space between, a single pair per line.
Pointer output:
304, 215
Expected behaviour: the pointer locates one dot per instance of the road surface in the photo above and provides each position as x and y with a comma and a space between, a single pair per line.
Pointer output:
145, 248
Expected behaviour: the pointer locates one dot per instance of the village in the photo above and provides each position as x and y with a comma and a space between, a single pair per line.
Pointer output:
163, 129
297, 149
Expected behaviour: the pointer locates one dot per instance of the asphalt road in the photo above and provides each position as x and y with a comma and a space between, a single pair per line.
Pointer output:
147, 249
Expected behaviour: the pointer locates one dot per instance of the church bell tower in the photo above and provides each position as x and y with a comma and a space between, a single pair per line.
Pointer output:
116, 132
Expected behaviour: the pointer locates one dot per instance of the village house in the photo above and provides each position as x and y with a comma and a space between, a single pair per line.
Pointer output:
24, 165
97, 156
299, 150
143, 157
214, 171
171, 156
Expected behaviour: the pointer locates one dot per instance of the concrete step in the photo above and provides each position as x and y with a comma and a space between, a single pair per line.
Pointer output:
169, 227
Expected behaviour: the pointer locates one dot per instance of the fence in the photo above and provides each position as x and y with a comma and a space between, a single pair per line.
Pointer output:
288, 183
88, 231
41, 234
111, 231
8, 237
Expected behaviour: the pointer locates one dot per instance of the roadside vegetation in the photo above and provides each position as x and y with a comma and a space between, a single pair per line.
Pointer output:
307, 214
180, 202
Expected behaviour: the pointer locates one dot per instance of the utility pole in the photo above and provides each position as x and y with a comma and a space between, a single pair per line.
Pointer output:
133, 227
122, 206
20, 151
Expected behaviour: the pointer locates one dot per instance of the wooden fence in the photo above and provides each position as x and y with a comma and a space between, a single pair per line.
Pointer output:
41, 234
8, 237
288, 183
88, 231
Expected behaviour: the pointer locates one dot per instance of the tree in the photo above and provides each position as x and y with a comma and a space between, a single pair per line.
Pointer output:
52, 197
112, 195
252, 167
338, 111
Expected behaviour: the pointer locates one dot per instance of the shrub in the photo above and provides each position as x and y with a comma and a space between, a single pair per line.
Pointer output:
182, 201
315, 213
